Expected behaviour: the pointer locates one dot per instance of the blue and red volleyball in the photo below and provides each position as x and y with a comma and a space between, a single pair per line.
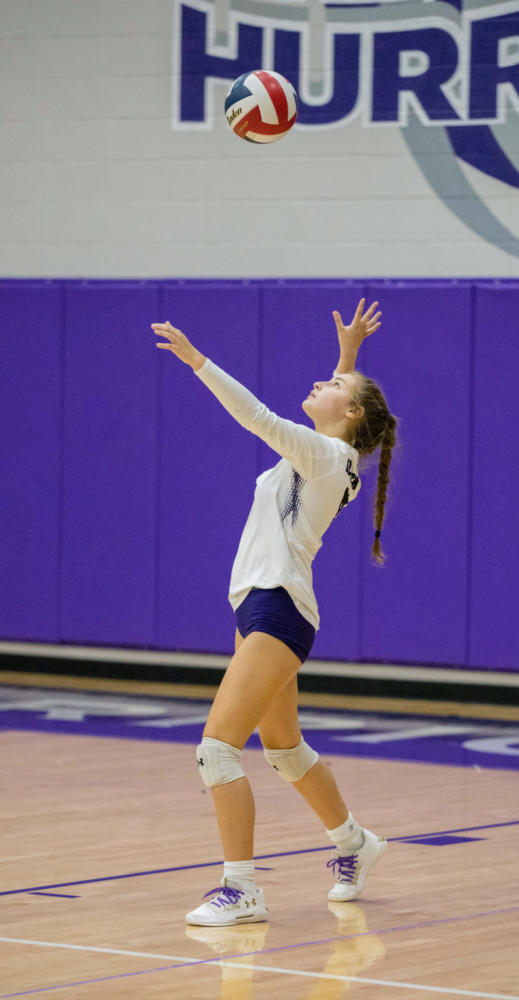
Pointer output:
261, 106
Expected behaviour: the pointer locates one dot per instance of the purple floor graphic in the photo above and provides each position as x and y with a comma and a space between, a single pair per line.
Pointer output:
421, 738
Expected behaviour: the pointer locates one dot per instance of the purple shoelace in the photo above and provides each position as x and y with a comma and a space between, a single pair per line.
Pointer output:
229, 895
347, 867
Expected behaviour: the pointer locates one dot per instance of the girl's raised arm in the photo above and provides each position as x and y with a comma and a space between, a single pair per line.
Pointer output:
351, 337
178, 343
311, 454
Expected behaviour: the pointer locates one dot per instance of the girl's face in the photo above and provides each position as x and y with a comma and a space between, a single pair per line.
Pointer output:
330, 405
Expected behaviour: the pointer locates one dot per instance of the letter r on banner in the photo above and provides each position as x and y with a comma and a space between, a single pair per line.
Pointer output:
486, 73
426, 86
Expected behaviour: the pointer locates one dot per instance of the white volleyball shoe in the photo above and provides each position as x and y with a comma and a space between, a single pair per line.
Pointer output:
351, 870
229, 905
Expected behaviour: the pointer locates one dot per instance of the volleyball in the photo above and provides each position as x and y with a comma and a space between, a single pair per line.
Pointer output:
261, 106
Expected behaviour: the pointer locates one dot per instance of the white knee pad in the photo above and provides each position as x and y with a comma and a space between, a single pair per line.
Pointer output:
292, 764
218, 762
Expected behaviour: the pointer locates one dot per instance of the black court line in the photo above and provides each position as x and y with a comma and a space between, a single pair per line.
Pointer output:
258, 857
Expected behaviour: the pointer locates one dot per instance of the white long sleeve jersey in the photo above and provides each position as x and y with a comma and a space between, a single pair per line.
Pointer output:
294, 502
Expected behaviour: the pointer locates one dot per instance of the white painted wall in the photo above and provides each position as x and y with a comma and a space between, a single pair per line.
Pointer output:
95, 182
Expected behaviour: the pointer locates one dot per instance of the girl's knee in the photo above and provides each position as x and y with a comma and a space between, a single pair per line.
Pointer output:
225, 734
294, 762
279, 739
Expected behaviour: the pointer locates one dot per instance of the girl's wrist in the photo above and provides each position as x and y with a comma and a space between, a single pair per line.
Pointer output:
347, 359
198, 360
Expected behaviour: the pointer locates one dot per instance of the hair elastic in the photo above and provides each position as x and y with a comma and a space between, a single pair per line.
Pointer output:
378, 534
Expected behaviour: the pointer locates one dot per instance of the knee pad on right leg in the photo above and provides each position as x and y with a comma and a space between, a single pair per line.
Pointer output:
292, 764
218, 762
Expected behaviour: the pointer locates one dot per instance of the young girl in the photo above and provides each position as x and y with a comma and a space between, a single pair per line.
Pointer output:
276, 611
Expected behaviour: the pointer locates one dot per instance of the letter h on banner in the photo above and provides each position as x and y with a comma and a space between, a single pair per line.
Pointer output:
197, 64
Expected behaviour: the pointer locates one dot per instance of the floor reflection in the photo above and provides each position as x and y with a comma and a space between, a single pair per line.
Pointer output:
355, 951
237, 982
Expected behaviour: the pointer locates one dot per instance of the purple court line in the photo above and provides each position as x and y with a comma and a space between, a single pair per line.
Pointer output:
265, 951
88, 982
462, 829
258, 857
63, 895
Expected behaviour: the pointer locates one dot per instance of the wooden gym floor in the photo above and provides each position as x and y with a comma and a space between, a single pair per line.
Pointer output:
109, 837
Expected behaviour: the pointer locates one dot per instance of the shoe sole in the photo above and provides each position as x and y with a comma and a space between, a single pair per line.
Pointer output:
382, 847
253, 919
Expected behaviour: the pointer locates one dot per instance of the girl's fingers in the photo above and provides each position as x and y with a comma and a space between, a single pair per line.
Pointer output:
370, 310
164, 328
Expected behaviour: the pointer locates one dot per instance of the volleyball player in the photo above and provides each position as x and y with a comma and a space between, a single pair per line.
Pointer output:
276, 611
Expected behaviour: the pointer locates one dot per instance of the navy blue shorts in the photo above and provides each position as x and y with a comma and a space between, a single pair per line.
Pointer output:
274, 612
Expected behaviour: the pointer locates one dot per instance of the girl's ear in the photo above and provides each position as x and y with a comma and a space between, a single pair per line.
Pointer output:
356, 411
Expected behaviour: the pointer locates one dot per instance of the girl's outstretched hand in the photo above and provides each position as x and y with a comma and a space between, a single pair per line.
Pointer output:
178, 344
362, 325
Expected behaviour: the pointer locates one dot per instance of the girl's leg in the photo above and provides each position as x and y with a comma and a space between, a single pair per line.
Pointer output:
259, 669
279, 730
357, 849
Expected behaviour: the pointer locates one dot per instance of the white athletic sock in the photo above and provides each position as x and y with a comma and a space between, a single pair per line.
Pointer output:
347, 837
240, 875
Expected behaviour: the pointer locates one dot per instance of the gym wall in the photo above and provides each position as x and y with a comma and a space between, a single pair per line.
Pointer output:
126, 484
116, 159
125, 198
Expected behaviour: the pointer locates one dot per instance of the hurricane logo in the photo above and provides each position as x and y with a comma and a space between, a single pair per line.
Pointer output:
445, 72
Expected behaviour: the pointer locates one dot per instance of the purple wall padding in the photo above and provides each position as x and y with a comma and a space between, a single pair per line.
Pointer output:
110, 458
415, 608
125, 484
31, 464
207, 467
494, 619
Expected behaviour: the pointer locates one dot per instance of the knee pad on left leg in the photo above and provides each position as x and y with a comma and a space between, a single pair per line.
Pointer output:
218, 762
292, 764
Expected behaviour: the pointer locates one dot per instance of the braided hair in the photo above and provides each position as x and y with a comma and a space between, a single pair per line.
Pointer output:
377, 427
